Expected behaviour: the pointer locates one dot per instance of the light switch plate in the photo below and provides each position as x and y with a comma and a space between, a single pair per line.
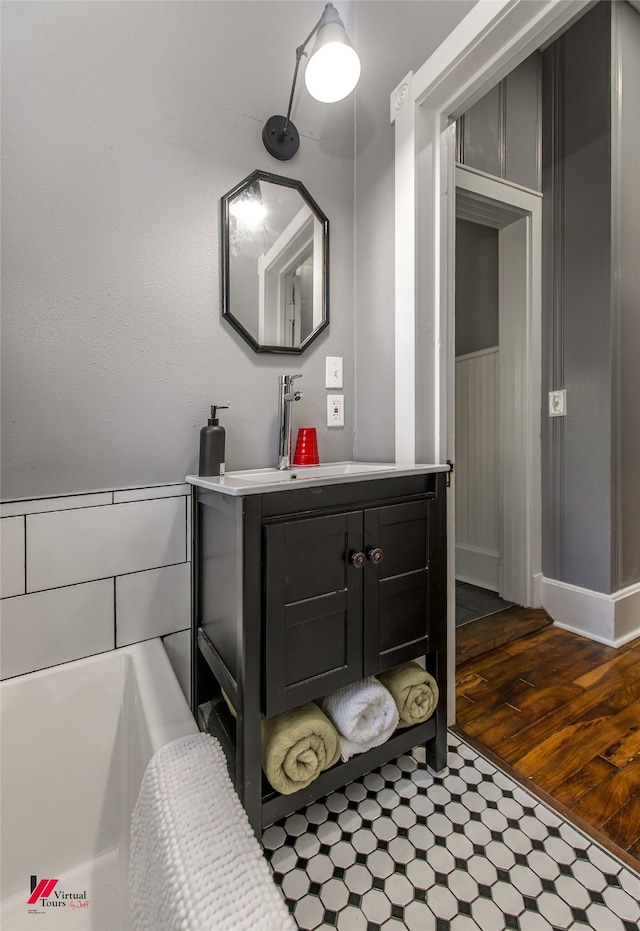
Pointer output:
334, 372
335, 410
558, 403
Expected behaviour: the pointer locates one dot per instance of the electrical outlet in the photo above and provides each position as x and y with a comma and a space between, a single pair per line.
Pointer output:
335, 410
334, 372
558, 403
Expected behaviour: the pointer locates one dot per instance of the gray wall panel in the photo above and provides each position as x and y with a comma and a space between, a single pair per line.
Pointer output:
587, 302
627, 227
552, 428
397, 36
501, 133
577, 293
476, 287
483, 136
522, 124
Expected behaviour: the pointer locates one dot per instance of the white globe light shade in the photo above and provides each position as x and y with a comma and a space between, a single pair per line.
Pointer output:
333, 70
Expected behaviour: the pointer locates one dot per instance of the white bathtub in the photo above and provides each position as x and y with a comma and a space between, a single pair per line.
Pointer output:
75, 742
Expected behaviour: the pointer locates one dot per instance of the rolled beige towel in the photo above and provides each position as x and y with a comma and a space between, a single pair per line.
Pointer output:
414, 691
296, 746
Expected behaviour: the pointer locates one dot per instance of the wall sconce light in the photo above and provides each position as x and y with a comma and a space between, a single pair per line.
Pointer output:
331, 74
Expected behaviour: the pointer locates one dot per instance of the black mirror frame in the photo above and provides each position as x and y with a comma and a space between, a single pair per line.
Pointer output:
224, 260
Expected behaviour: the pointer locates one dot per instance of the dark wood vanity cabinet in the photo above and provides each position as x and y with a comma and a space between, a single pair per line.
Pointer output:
346, 596
313, 599
299, 592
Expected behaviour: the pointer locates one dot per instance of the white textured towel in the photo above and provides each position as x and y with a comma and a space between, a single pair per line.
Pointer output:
364, 714
195, 863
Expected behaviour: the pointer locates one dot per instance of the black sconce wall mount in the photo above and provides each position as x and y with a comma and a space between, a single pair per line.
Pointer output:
331, 74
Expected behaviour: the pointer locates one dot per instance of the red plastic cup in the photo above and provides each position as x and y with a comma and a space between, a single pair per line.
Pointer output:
306, 453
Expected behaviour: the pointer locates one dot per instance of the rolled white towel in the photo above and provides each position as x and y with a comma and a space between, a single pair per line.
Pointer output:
364, 714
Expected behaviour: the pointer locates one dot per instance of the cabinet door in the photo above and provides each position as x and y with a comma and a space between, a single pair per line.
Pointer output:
313, 616
396, 589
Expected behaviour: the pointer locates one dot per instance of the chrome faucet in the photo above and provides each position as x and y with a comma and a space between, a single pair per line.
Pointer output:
286, 396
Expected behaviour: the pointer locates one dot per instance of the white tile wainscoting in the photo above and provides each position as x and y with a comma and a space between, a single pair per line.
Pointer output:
83, 574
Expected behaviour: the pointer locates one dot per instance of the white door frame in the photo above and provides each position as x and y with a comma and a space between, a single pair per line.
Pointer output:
516, 213
495, 37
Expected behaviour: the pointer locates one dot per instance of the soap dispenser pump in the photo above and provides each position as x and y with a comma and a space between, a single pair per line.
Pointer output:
212, 439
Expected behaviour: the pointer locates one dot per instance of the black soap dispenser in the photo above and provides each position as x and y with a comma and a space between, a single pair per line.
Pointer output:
212, 445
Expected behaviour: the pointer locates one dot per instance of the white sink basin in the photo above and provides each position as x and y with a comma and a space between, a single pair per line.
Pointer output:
304, 473
258, 481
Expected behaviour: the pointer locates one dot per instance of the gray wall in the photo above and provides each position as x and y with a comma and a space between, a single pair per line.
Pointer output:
577, 278
123, 124
502, 133
590, 283
591, 324
398, 37
477, 317
627, 300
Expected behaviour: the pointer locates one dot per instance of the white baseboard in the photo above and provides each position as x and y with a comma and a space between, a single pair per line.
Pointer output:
610, 619
478, 567
627, 616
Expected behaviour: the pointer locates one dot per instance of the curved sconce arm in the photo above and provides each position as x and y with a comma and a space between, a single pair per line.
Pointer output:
280, 136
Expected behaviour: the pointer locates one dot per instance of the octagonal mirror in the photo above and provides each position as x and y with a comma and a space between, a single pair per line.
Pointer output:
275, 263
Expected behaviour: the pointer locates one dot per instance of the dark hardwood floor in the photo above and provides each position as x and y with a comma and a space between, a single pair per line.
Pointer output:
562, 714
487, 633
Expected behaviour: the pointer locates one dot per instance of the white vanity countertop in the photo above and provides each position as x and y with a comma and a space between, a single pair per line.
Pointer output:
260, 481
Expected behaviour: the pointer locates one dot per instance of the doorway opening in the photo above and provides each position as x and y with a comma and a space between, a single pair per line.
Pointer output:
477, 422
488, 45
496, 414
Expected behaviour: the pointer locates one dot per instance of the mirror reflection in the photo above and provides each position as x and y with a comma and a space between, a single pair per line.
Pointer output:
274, 263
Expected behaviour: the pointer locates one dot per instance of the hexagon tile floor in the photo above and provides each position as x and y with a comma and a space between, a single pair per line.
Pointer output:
402, 848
